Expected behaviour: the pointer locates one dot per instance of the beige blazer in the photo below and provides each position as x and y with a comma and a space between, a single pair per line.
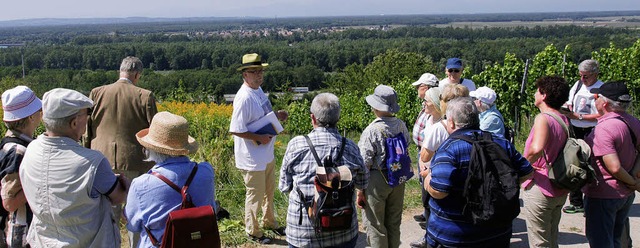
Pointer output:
121, 110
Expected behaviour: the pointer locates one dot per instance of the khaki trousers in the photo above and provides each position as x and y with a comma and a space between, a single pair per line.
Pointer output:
383, 214
260, 187
543, 217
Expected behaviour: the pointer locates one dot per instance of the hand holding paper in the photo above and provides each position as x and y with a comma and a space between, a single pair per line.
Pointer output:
268, 124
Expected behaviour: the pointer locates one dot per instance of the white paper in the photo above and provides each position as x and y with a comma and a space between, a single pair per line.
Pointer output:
270, 118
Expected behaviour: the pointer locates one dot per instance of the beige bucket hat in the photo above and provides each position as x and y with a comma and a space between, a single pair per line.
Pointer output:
168, 134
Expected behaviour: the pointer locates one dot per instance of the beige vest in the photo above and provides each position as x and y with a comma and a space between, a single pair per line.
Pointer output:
57, 176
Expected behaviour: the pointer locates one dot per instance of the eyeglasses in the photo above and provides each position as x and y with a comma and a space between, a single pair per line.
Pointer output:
453, 70
255, 71
586, 76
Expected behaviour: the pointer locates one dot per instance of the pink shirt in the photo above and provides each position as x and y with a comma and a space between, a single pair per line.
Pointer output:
611, 135
553, 147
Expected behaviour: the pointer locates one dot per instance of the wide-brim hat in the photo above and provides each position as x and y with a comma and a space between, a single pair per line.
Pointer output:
19, 103
252, 60
168, 134
384, 98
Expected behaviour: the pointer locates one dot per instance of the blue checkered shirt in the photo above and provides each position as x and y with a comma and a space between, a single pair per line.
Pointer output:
298, 171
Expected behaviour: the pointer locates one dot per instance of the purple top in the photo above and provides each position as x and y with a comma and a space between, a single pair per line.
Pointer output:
553, 147
611, 135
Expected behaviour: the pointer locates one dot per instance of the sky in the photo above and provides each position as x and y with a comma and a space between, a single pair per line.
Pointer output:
30, 9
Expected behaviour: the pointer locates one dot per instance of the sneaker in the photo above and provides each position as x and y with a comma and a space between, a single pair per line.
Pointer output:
260, 240
419, 218
280, 231
419, 243
423, 225
571, 209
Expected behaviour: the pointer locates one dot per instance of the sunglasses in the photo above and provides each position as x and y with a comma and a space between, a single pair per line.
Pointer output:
453, 70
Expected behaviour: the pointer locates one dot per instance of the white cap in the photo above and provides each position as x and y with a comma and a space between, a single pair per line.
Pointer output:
19, 103
427, 79
60, 103
484, 94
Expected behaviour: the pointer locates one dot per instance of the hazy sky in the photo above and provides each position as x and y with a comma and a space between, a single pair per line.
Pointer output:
27, 9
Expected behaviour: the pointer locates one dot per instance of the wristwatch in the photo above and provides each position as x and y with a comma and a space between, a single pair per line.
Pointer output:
580, 117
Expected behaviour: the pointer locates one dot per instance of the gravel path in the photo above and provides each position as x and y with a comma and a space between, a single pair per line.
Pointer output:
571, 230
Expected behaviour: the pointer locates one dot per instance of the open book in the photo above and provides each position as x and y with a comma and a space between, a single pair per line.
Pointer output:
268, 124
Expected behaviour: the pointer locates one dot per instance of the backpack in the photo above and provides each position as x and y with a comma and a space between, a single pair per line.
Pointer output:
8, 164
572, 169
491, 188
189, 226
332, 207
398, 161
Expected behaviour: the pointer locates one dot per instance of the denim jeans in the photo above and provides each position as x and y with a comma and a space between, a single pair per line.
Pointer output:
605, 220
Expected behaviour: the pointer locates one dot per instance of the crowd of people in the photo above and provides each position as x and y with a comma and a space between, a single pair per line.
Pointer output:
99, 157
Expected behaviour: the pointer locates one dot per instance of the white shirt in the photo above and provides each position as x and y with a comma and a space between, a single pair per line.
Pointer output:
250, 105
434, 136
583, 103
466, 82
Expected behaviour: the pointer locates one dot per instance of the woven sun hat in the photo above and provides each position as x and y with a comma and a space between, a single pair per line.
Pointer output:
252, 60
168, 134
19, 103
384, 98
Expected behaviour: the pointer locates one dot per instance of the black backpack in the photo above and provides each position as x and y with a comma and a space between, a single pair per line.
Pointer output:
332, 207
491, 189
8, 164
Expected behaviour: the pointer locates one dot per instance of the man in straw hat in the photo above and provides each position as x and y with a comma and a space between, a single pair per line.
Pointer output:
167, 143
70, 188
298, 165
122, 109
254, 152
383, 211
22, 115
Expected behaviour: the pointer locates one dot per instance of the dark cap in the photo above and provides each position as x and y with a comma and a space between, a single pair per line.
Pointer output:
616, 91
454, 63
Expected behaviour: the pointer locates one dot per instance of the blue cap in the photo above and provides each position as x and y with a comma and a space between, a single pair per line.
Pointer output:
454, 63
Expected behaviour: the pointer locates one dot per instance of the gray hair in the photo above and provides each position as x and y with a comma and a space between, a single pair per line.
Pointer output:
58, 125
326, 108
589, 65
131, 64
463, 112
483, 106
616, 106
157, 157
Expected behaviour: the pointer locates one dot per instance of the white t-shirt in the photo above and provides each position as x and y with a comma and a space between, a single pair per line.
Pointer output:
466, 82
434, 136
248, 106
583, 103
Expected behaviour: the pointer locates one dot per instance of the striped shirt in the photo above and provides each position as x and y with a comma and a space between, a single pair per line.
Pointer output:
418, 127
298, 171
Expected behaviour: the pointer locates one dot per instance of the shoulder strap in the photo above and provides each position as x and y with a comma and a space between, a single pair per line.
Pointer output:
6, 140
573, 98
182, 191
315, 154
568, 131
633, 134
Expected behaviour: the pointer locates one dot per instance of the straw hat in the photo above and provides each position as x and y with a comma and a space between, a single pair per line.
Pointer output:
168, 134
252, 60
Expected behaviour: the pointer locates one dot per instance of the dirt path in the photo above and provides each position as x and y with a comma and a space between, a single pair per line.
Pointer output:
571, 230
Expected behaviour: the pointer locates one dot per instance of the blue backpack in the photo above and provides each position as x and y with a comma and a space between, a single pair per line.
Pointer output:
398, 161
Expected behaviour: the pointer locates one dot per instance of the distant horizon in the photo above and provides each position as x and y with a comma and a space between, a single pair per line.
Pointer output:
121, 9
284, 17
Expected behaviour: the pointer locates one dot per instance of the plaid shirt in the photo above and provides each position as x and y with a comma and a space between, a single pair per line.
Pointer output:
298, 171
418, 127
